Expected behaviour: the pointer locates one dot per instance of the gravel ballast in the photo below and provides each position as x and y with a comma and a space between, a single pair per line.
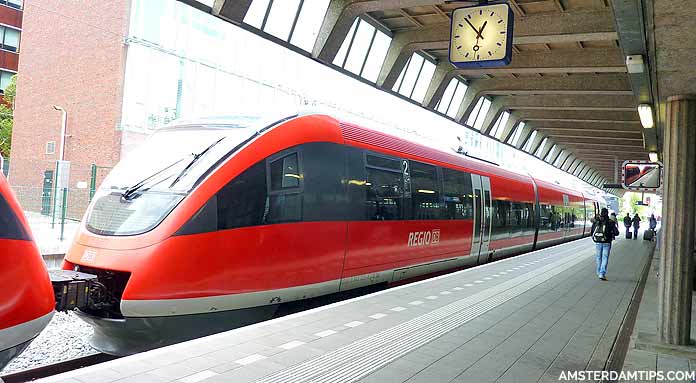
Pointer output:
65, 338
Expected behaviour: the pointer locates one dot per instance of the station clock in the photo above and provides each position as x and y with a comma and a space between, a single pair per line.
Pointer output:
481, 36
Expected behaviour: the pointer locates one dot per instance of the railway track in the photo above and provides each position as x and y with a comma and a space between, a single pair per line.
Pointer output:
56, 368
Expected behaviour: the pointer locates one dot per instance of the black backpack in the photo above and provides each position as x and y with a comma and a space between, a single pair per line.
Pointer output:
599, 233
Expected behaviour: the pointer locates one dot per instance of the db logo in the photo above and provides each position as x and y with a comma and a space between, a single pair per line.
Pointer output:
89, 255
424, 238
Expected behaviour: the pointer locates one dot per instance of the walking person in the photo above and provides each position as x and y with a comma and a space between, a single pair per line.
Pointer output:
636, 225
652, 222
604, 230
627, 223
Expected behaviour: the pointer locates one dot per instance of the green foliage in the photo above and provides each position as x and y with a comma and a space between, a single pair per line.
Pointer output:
11, 91
6, 118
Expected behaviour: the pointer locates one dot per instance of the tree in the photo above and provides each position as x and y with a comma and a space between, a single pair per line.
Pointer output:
6, 118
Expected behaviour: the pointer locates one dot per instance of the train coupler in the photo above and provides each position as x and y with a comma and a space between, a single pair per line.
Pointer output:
71, 288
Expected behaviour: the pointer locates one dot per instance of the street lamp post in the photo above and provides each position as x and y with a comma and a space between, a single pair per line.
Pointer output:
62, 130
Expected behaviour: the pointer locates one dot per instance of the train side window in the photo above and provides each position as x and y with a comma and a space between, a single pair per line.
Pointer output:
10, 226
285, 173
459, 200
425, 192
502, 220
285, 195
242, 202
384, 194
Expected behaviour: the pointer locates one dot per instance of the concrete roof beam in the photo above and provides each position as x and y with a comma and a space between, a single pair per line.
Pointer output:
231, 10
588, 61
595, 103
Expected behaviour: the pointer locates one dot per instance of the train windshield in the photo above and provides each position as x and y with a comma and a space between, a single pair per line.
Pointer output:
151, 180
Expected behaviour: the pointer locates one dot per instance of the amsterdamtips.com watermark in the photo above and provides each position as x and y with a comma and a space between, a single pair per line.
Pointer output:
666, 376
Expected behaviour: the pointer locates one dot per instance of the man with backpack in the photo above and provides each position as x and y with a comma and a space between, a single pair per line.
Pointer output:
636, 225
627, 223
604, 231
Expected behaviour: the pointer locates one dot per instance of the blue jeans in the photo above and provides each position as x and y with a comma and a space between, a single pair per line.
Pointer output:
602, 258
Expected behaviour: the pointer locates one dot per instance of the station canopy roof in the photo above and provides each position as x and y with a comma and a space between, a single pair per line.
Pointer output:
567, 96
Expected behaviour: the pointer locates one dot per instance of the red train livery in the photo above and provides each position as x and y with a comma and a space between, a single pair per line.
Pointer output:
26, 299
212, 224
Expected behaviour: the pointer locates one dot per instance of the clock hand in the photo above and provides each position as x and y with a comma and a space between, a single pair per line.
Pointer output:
478, 34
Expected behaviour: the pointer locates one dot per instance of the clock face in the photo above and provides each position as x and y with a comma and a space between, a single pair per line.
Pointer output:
480, 34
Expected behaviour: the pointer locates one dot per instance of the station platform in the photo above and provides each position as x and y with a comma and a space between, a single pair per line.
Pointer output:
522, 319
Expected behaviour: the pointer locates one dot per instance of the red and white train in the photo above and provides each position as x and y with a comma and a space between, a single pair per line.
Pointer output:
26, 299
212, 224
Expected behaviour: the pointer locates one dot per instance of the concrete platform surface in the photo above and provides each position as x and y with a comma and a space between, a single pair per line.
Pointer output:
523, 319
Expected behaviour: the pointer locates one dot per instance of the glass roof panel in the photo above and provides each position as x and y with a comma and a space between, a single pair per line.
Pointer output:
308, 24
423, 81
281, 17
375, 60
256, 13
358, 51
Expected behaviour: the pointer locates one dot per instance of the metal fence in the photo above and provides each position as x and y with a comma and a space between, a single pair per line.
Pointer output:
53, 212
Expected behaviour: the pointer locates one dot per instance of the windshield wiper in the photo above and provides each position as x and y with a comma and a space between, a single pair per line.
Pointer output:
128, 193
193, 161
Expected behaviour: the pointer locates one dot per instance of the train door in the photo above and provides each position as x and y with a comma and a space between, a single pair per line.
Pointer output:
481, 186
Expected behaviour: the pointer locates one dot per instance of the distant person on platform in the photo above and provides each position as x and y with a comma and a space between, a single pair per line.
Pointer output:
627, 223
652, 222
604, 230
636, 225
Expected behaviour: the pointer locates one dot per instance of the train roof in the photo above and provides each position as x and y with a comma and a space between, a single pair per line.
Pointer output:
357, 133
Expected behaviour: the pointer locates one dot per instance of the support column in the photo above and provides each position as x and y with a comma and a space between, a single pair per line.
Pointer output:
234, 11
536, 143
678, 222
509, 128
339, 18
547, 150
470, 99
526, 132
492, 116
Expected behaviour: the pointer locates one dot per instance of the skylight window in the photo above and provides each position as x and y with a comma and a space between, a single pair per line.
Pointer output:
452, 98
293, 21
528, 145
541, 147
308, 24
478, 114
499, 126
517, 134
415, 78
551, 153
363, 50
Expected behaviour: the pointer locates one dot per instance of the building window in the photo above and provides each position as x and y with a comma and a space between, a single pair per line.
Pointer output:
5, 78
9, 39
17, 4
51, 147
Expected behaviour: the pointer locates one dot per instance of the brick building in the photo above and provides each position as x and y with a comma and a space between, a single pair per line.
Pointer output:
73, 57
10, 33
